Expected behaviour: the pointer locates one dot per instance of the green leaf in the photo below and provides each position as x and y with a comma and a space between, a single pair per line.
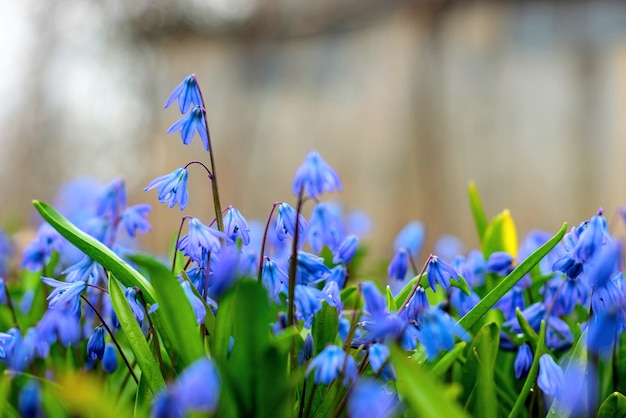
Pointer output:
509, 281
500, 235
613, 406
480, 219
391, 303
174, 310
424, 395
146, 361
443, 364
325, 326
96, 250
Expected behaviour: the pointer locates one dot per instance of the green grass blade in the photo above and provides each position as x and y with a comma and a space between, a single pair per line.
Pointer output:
509, 281
480, 219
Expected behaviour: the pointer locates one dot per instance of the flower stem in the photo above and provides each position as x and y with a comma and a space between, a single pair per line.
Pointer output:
180, 230
155, 337
293, 265
267, 227
415, 285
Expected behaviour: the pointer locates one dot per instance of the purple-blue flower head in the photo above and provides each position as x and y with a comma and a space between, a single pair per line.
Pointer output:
375, 303
224, 271
338, 274
109, 358
311, 268
500, 262
315, 177
332, 295
591, 238
438, 271
308, 302
331, 363
411, 237
235, 226
437, 331
135, 306
65, 294
415, 306
325, 228
95, 345
523, 361
196, 304
273, 278
189, 124
37, 254
379, 360
399, 265
29, 401
370, 399
551, 376
172, 188
346, 250
135, 219
112, 200
86, 270
200, 241
187, 93
286, 222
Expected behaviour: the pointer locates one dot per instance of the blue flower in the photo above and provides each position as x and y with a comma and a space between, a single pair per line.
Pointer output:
370, 399
109, 358
411, 238
29, 400
95, 345
375, 303
187, 93
286, 222
65, 294
235, 226
325, 228
331, 363
200, 241
437, 331
37, 254
338, 274
603, 332
86, 270
135, 306
197, 389
311, 268
523, 361
172, 188
308, 302
438, 271
273, 279
512, 300
112, 200
59, 325
591, 238
551, 377
461, 302
500, 262
379, 360
196, 304
306, 352
135, 219
224, 271
332, 295
189, 124
399, 265
315, 177
6, 344
416, 305
346, 250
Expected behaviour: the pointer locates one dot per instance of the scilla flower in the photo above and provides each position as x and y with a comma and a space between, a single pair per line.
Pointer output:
331, 363
187, 93
551, 376
438, 271
286, 222
315, 177
172, 188
65, 294
95, 345
200, 240
189, 124
370, 399
235, 226
135, 219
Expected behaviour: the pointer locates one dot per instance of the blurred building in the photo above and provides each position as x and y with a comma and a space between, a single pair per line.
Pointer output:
407, 100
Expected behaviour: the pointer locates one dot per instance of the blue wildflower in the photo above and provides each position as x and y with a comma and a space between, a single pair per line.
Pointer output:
437, 330
135, 219
65, 294
6, 344
411, 238
135, 305
603, 332
370, 399
187, 93
86, 270
112, 200
306, 352
461, 302
551, 377
523, 361
608, 297
95, 345
286, 222
315, 177
499, 262
197, 389
438, 271
324, 228
332, 295
346, 250
512, 300
200, 241
236, 226
189, 124
375, 303
308, 302
29, 400
109, 358
604, 265
196, 304
379, 360
591, 238
59, 325
273, 279
37, 254
399, 265
172, 188
224, 272
331, 363
311, 268
338, 274
416, 305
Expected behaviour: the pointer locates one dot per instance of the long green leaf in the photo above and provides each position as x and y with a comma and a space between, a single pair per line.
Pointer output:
174, 310
613, 406
325, 326
147, 363
480, 219
509, 281
479, 371
99, 252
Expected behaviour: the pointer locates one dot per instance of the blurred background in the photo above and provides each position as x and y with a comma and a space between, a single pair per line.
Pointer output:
407, 100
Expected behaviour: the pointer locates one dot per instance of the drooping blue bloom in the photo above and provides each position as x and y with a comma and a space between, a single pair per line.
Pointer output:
330, 363
196, 304
605, 263
95, 345
437, 330
187, 93
310, 268
59, 325
551, 376
346, 250
332, 295
523, 361
273, 279
86, 270
6, 343
315, 177
189, 124
603, 332
286, 222
375, 303
65, 294
29, 400
200, 241
571, 293
224, 272
135, 305
568, 265
308, 302
112, 200
415, 306
591, 238
172, 188
197, 389
325, 228
461, 302
306, 352
109, 358
399, 265
389, 327
411, 238
37, 254
512, 300
135, 219
438, 271
235, 226
500, 262
370, 399
610, 296
379, 360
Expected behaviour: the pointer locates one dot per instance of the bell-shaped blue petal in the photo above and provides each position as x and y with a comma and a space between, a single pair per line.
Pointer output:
315, 177
172, 188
